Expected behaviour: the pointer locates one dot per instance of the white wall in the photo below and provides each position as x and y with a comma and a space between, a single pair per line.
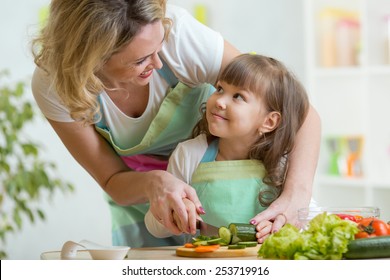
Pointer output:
75, 216
273, 27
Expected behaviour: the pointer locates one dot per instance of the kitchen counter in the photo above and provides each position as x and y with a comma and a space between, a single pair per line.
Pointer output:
151, 253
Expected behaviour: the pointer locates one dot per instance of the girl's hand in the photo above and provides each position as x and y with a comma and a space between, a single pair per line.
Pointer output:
263, 230
283, 210
274, 215
166, 196
279, 213
192, 218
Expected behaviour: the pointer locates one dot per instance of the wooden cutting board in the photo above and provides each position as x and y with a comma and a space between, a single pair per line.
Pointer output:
222, 252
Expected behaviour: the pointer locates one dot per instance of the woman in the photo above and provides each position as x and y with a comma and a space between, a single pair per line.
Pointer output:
95, 83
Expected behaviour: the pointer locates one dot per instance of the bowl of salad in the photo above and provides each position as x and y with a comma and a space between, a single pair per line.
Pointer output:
346, 213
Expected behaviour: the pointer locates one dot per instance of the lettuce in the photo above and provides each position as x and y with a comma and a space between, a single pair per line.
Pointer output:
326, 238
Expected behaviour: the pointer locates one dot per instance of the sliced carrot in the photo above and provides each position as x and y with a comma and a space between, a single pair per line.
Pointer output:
207, 248
189, 245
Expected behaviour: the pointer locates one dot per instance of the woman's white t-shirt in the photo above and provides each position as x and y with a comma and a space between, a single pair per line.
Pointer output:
194, 54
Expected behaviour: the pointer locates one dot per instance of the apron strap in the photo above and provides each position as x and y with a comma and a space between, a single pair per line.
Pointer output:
102, 123
211, 152
167, 74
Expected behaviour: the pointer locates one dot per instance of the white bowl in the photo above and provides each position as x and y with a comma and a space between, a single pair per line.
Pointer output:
97, 251
114, 253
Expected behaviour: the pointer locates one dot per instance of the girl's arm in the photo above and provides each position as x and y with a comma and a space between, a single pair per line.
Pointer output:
299, 182
160, 231
154, 227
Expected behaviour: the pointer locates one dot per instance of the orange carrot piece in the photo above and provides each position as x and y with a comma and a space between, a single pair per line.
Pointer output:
207, 248
189, 245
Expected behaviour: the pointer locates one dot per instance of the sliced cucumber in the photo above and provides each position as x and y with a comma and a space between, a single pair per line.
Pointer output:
225, 234
200, 242
201, 237
235, 239
248, 243
369, 248
236, 246
244, 232
215, 241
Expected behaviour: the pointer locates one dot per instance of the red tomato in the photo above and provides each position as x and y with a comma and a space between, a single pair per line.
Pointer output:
358, 218
370, 227
363, 234
347, 217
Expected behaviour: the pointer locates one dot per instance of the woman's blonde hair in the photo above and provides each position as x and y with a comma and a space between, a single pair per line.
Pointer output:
282, 93
80, 36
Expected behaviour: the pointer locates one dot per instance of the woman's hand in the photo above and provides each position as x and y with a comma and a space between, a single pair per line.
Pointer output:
166, 196
163, 190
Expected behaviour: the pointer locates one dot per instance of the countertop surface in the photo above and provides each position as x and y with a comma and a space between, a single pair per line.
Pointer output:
151, 253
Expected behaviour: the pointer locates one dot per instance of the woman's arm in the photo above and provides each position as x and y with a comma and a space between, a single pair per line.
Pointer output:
164, 192
229, 52
299, 182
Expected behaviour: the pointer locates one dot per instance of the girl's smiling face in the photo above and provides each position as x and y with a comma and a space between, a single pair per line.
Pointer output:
135, 63
235, 113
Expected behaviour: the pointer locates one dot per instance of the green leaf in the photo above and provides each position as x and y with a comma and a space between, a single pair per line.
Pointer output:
19, 89
41, 214
17, 218
30, 215
29, 149
4, 167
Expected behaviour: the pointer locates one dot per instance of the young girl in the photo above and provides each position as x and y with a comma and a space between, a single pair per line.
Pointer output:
239, 157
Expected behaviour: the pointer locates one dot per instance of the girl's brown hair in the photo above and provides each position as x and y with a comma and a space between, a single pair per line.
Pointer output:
281, 92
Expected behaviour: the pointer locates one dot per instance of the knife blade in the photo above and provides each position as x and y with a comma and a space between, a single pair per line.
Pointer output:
207, 229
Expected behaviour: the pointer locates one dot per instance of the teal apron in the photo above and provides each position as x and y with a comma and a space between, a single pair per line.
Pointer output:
173, 123
228, 190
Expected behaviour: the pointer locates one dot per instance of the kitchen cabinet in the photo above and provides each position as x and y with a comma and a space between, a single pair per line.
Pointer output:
348, 80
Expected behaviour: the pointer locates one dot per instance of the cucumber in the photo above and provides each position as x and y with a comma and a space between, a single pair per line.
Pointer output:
248, 243
200, 243
235, 240
243, 232
225, 234
369, 248
215, 241
235, 247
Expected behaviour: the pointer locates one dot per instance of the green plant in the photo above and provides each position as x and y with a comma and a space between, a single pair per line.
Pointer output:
25, 178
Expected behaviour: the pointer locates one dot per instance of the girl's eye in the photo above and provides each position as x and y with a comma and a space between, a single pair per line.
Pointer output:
238, 96
219, 89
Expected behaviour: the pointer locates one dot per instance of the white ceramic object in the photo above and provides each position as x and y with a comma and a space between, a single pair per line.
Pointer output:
97, 251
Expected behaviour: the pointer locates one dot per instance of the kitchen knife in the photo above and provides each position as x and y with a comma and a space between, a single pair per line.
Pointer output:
207, 229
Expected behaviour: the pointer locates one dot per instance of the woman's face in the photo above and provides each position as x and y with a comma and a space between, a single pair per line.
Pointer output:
135, 63
235, 113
